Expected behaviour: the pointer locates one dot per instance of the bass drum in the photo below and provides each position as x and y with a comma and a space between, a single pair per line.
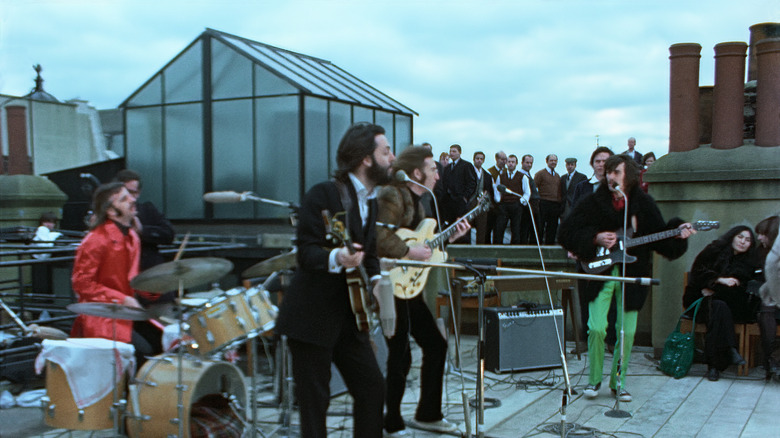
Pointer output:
156, 396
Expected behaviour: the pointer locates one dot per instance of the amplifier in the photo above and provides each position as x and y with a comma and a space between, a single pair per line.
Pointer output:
517, 339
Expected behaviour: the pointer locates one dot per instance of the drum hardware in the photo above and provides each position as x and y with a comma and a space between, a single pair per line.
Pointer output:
185, 273
280, 262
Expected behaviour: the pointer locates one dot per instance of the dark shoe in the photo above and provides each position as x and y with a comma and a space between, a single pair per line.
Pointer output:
713, 374
736, 359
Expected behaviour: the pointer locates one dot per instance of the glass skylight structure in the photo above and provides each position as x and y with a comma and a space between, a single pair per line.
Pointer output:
229, 113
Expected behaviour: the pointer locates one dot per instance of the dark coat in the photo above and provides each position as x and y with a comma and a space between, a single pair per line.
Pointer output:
714, 262
595, 214
458, 183
316, 306
567, 195
157, 230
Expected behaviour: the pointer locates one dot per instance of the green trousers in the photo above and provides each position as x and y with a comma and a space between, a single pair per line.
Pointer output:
597, 331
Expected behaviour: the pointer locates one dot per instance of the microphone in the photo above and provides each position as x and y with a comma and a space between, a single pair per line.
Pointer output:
504, 189
385, 298
224, 197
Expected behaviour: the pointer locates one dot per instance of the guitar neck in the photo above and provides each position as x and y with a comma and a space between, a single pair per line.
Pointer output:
439, 239
661, 235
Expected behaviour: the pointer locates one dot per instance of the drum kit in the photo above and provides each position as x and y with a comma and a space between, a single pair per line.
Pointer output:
208, 326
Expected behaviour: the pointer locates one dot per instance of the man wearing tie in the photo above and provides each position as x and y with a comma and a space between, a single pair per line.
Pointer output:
510, 207
568, 183
484, 186
549, 184
459, 183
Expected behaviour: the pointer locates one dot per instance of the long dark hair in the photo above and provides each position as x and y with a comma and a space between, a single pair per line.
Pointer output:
725, 251
357, 143
630, 172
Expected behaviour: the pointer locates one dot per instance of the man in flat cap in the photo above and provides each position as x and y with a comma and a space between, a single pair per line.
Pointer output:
568, 182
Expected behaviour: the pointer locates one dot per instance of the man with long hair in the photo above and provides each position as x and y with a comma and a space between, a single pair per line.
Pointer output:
316, 315
106, 261
400, 206
594, 223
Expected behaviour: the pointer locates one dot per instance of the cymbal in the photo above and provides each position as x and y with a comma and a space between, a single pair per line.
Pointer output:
190, 272
109, 310
276, 263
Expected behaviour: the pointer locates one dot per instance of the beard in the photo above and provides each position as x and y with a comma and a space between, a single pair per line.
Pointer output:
378, 174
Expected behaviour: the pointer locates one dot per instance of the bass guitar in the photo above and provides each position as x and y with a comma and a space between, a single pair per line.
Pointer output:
606, 257
360, 297
408, 281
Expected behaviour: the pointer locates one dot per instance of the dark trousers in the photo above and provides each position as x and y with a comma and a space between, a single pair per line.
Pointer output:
356, 362
508, 212
413, 317
549, 212
767, 324
527, 235
720, 337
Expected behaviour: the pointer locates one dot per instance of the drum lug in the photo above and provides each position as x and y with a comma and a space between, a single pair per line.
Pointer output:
233, 307
81, 415
210, 338
241, 323
48, 408
202, 320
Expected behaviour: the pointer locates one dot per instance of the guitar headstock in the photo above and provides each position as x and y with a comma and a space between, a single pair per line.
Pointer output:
705, 225
335, 231
483, 202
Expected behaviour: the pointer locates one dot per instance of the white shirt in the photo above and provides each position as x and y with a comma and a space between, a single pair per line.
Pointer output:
363, 196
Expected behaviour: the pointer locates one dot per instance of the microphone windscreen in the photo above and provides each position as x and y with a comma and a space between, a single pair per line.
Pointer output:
501, 188
386, 305
401, 176
222, 197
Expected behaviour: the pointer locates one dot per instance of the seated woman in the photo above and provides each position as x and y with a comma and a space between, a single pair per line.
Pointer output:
767, 231
720, 273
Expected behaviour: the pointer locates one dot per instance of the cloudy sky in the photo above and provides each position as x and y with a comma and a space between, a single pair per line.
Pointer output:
525, 76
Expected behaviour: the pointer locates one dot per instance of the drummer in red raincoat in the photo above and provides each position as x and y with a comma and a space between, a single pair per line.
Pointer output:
106, 261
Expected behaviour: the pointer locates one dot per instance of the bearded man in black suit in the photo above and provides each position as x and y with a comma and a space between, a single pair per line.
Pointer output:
316, 315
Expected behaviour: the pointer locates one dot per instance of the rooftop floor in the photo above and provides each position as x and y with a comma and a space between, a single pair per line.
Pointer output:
528, 403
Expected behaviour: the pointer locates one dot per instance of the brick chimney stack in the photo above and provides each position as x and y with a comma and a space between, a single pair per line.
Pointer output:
768, 92
18, 159
729, 95
684, 97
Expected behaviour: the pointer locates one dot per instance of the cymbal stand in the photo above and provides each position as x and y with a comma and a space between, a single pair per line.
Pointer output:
180, 388
117, 407
458, 353
285, 417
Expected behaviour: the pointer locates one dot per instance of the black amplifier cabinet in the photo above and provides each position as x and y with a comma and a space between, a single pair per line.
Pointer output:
517, 339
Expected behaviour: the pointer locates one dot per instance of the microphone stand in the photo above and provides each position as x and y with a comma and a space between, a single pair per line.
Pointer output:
401, 175
617, 412
567, 391
391, 263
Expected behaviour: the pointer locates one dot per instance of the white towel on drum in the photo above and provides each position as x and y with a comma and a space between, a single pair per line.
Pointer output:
87, 363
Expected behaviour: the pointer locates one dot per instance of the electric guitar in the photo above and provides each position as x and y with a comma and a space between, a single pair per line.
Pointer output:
360, 297
409, 281
606, 257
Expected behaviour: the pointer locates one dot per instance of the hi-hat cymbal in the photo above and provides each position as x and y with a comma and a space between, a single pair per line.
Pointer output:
266, 267
187, 272
109, 310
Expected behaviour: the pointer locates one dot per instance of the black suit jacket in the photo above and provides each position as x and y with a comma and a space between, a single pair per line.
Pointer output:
482, 186
316, 305
459, 182
567, 195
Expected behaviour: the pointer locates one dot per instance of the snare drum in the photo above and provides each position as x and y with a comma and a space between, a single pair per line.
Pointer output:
156, 397
221, 322
263, 311
79, 388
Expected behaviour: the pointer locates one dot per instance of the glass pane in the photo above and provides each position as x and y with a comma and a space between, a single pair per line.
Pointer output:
268, 84
183, 78
232, 159
316, 141
361, 114
278, 153
183, 169
144, 150
403, 132
231, 72
150, 94
339, 123
385, 120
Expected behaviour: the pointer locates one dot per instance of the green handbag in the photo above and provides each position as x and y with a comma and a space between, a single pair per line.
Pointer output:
677, 357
